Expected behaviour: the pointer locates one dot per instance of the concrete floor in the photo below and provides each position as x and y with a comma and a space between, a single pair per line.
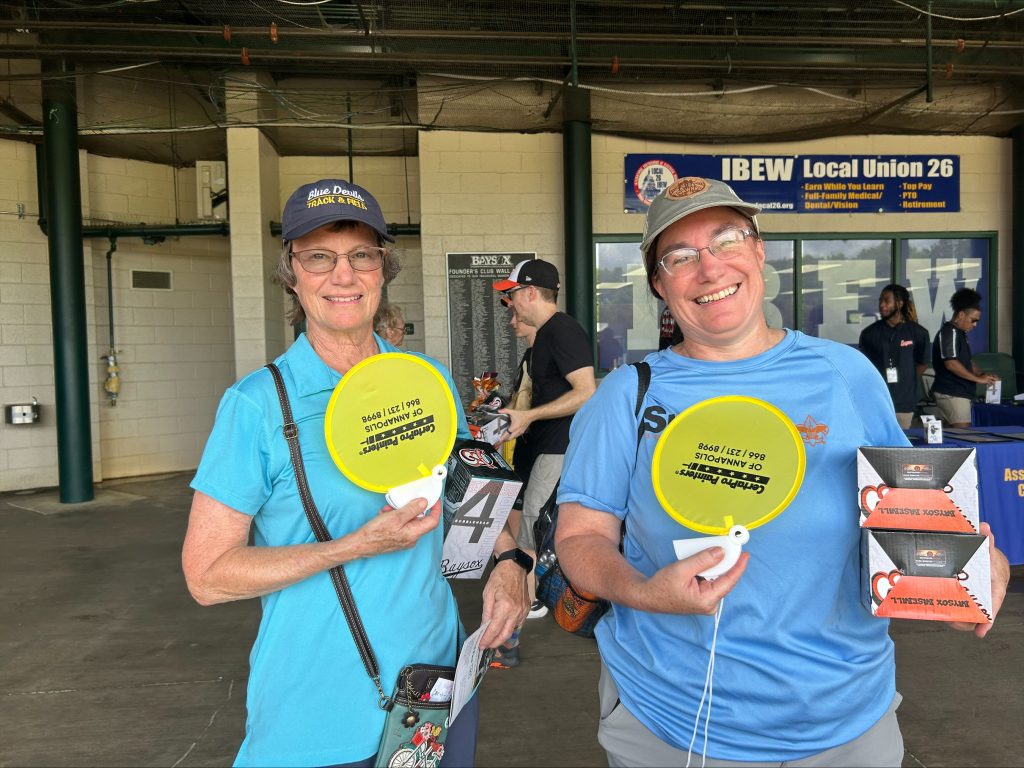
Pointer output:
105, 659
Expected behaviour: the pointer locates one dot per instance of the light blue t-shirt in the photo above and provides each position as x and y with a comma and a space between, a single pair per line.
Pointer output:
800, 665
310, 701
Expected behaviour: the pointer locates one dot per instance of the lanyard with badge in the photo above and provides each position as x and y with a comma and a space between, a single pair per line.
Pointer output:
892, 374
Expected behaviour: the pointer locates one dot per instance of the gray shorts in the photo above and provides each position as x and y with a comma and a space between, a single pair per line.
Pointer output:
544, 474
628, 742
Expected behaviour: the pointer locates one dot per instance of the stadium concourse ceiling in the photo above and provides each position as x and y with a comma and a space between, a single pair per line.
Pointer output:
162, 80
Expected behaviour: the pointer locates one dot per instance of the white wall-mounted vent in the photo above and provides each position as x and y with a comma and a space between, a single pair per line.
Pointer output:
212, 190
152, 279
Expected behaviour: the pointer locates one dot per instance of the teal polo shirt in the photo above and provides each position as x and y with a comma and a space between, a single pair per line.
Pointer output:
310, 701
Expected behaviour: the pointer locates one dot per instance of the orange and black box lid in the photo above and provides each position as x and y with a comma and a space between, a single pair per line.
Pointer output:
921, 489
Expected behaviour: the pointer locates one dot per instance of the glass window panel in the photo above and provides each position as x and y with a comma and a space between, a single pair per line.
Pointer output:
626, 313
778, 283
935, 269
841, 280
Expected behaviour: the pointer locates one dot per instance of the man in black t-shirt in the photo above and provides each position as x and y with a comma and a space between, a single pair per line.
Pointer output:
898, 347
562, 370
956, 374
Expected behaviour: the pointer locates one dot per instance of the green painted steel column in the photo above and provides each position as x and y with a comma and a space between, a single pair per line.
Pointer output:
1017, 248
578, 282
67, 283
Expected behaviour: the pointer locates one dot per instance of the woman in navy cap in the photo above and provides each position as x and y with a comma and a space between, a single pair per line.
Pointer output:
310, 699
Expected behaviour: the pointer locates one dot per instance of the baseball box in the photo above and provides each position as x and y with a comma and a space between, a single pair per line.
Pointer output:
919, 489
479, 493
926, 575
485, 423
492, 425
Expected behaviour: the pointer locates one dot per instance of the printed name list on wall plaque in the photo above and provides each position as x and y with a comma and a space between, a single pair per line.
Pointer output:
479, 336
808, 183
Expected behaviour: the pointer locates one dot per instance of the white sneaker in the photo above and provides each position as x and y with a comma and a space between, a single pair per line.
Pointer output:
537, 610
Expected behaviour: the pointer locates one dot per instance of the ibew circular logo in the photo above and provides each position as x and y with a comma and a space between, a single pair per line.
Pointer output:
651, 179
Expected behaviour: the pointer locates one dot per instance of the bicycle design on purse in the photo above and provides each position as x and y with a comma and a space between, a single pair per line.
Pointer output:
423, 750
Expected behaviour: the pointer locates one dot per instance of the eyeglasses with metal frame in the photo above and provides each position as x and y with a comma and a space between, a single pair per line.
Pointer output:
320, 260
727, 244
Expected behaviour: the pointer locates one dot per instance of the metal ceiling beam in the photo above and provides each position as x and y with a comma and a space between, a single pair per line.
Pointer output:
791, 60
16, 115
881, 39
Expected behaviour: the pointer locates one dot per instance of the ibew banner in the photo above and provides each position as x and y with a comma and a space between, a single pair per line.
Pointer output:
808, 183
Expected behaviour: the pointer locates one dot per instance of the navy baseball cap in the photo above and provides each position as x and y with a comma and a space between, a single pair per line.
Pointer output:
329, 200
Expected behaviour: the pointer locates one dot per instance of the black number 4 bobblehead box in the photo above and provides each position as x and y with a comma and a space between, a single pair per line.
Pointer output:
922, 556
478, 496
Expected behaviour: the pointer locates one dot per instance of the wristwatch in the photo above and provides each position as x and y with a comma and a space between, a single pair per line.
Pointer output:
517, 555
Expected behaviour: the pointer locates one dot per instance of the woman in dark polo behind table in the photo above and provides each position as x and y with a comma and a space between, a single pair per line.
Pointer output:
956, 375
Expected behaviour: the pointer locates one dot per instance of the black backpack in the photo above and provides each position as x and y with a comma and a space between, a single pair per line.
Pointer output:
574, 611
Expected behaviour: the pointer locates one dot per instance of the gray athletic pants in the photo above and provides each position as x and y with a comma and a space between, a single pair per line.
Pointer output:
628, 742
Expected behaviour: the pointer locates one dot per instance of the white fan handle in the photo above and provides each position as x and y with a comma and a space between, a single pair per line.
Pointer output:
428, 488
732, 543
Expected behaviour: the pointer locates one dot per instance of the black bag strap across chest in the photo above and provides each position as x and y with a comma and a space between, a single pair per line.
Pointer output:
316, 522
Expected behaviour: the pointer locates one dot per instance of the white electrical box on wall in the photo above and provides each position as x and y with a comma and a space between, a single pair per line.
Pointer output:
212, 190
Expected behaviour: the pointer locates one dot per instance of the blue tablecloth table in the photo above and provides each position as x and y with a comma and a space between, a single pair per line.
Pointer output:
997, 415
1001, 484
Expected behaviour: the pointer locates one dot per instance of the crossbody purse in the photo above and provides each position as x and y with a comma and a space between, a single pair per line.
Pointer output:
406, 741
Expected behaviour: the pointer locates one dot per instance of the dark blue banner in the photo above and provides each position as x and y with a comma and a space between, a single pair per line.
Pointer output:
808, 183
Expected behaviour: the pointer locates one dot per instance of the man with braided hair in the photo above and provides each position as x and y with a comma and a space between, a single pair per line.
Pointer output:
898, 347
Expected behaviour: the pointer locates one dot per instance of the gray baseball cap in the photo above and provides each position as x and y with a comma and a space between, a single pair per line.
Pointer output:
689, 195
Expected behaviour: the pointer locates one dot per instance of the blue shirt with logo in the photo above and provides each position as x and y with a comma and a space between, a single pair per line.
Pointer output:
310, 701
800, 664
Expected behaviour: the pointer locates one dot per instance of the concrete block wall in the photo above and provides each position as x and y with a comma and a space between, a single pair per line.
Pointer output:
252, 172
27, 452
485, 192
176, 354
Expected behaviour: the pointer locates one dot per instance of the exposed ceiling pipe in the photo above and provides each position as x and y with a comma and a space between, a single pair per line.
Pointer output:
881, 39
112, 384
149, 234
929, 93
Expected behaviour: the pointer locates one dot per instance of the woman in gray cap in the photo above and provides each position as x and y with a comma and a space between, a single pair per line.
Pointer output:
311, 699
801, 673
